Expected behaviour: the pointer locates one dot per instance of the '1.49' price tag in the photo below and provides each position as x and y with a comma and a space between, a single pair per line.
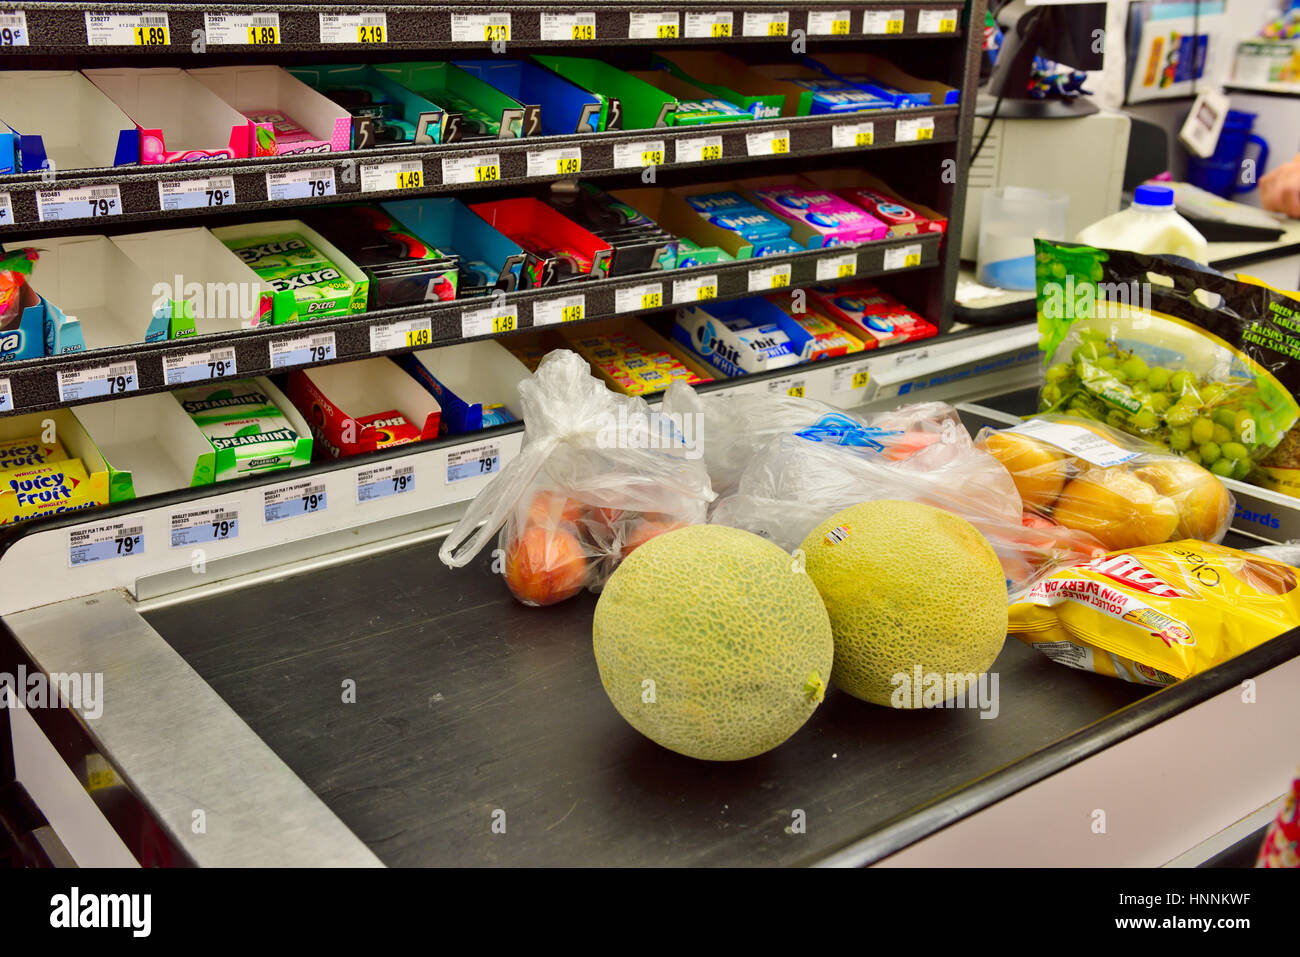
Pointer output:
557, 162
649, 295
472, 169
204, 526
383, 481
548, 312
117, 379
493, 320
199, 366
293, 500
407, 334
402, 174
472, 462
219, 191
96, 543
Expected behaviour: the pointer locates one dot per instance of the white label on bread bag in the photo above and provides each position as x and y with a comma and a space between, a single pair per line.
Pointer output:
1077, 441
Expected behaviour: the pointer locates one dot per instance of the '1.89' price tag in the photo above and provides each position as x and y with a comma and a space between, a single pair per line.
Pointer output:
293, 500
473, 461
204, 525
96, 543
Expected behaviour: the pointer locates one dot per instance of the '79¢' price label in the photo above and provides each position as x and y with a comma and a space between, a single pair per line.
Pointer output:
305, 497
97, 543
474, 461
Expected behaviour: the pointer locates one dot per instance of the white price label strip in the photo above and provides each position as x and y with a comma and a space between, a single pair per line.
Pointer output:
242, 29
557, 162
767, 278
480, 27
653, 26
219, 191
407, 334
698, 149
768, 143
485, 168
199, 366
766, 24
6, 210
639, 154
6, 396
851, 135
789, 385
883, 21
703, 26
837, 267
936, 21
305, 497
400, 174
903, 257
383, 481
85, 202
914, 131
353, 28
851, 377
548, 312
97, 543
300, 184
13, 29
649, 295
127, 30
117, 379
568, 26
472, 462
695, 289
830, 23
302, 350
490, 321
203, 526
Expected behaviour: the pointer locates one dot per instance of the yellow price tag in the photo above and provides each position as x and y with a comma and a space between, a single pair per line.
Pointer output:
497, 31
263, 36
925, 133
912, 259
504, 323
839, 28
776, 28
651, 300
706, 292
568, 165
780, 144
371, 34
151, 37
652, 157
780, 280
418, 337
721, 30
893, 26
711, 152
584, 31
667, 31
863, 138
947, 26
859, 380
844, 271
487, 174
98, 780
410, 180
796, 391
571, 313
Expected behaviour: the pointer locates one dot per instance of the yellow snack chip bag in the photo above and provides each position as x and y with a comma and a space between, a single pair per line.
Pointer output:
1159, 613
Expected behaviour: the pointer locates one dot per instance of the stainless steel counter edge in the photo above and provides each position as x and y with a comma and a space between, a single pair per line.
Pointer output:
180, 747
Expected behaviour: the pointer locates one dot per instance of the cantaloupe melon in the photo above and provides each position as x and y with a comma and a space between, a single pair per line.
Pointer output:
906, 584
712, 642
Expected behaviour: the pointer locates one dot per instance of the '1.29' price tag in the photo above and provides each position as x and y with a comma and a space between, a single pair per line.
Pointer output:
204, 526
472, 462
293, 500
383, 481
96, 543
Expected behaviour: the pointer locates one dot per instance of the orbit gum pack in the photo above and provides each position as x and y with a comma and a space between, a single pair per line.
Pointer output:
821, 217
872, 314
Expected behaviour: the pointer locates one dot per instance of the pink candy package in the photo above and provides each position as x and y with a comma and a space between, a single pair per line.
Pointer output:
835, 219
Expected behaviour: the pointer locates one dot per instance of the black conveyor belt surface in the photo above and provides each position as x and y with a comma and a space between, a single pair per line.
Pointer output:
468, 703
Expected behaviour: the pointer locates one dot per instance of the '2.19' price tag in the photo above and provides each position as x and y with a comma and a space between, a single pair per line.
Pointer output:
117, 379
383, 481
568, 26
199, 366
293, 500
480, 27
302, 350
204, 525
219, 191
96, 543
85, 202
353, 28
473, 461
300, 184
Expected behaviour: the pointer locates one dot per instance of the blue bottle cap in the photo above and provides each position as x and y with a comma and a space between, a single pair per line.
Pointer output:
1154, 195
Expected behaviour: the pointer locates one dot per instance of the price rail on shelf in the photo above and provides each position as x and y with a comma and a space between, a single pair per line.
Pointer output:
35, 384
163, 192
166, 27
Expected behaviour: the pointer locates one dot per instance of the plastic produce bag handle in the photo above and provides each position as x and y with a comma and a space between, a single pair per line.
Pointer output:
492, 506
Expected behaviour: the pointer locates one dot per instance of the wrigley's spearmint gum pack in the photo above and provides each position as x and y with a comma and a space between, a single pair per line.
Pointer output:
247, 431
289, 256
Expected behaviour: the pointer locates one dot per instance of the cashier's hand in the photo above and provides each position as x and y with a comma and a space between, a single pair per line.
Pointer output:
1279, 190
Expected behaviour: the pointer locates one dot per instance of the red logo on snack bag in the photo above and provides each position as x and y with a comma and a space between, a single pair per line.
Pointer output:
1128, 571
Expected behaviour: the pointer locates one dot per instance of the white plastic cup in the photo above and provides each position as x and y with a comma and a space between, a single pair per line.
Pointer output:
1012, 218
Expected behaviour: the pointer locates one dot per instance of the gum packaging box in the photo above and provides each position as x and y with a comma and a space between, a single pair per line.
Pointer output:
872, 314
248, 432
832, 219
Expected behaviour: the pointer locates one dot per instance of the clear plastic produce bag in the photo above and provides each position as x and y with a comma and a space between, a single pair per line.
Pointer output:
1120, 490
598, 475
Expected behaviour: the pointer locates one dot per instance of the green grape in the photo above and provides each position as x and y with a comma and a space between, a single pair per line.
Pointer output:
1109, 363
1181, 381
1234, 450
1202, 430
1192, 456
1225, 417
1210, 452
1211, 392
1135, 368
1180, 439
1159, 402
1141, 392
1116, 418
1182, 413
1050, 395
1060, 372
1241, 468
1144, 420
1089, 351
1158, 379
1221, 434
1222, 467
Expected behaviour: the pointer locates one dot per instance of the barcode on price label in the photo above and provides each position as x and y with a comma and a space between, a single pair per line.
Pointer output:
698, 149
293, 500
829, 23
203, 526
127, 29
117, 379
480, 27
85, 202
199, 366
6, 210
485, 168
383, 481
300, 184
242, 29
407, 334
766, 24
768, 143
848, 378
653, 26
883, 21
493, 320
936, 21
353, 28
6, 396
558, 162
695, 289
649, 295
568, 26
903, 257
548, 312
219, 191
302, 350
715, 24
472, 462
837, 267
913, 131
850, 135
790, 386
638, 154
13, 29
95, 543
767, 278
400, 174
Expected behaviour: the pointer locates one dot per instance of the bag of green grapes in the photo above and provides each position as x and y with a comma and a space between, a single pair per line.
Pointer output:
1202, 363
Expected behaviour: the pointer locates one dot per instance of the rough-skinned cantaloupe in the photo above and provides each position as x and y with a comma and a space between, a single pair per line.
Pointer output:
712, 642
906, 584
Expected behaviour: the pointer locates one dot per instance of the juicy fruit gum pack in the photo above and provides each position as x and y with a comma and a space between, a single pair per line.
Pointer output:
1200, 363
1158, 614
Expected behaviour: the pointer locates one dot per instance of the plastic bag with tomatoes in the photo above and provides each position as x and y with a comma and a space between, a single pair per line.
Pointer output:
599, 474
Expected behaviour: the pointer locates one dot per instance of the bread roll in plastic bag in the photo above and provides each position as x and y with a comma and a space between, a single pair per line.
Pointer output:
1120, 490
598, 475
